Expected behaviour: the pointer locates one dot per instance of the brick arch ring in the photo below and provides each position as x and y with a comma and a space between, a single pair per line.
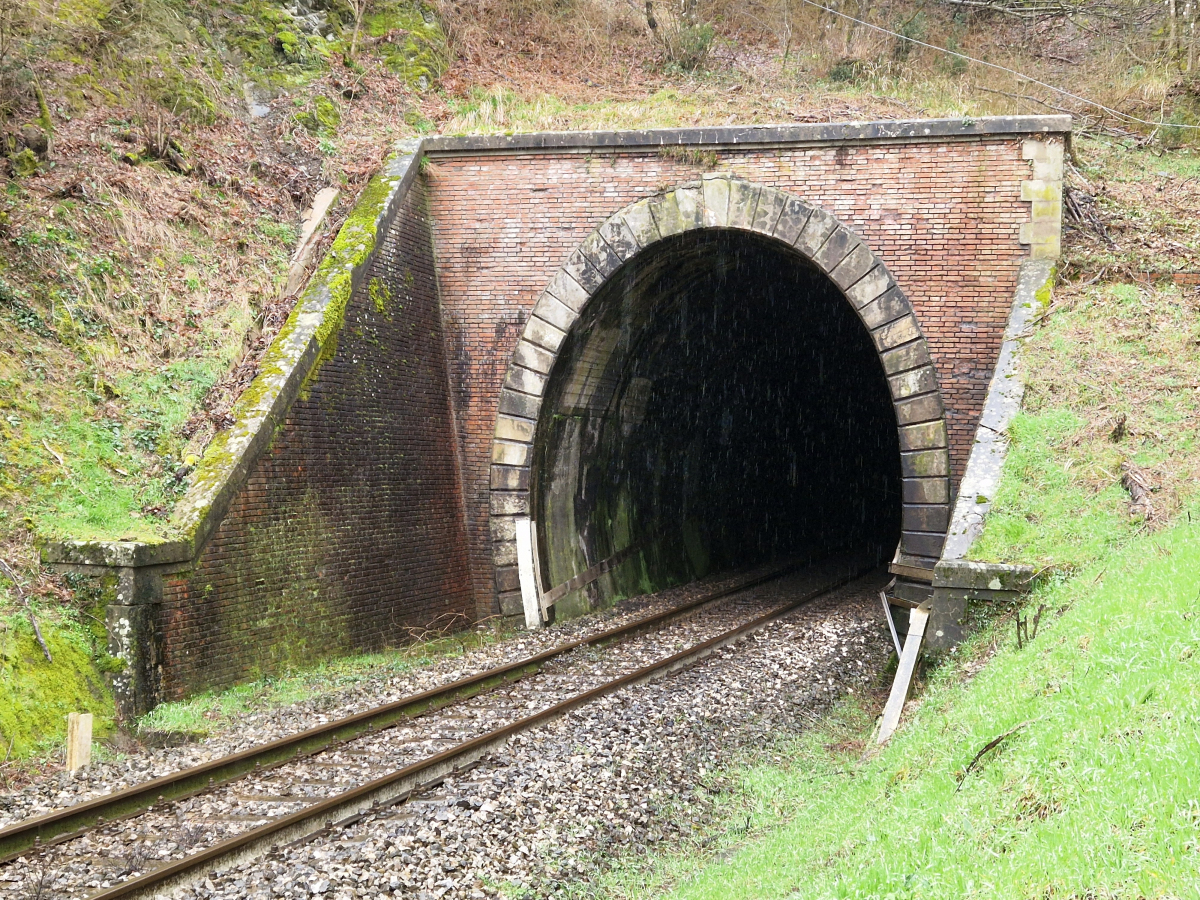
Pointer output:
724, 202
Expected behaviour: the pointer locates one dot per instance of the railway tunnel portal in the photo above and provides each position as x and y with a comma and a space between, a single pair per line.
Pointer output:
727, 395
611, 360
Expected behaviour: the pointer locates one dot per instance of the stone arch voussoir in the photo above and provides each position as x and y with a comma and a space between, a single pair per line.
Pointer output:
721, 201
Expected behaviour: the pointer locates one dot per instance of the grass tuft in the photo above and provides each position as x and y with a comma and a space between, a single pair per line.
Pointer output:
214, 711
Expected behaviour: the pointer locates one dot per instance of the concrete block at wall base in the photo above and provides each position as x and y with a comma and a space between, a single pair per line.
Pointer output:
945, 627
958, 585
132, 623
510, 604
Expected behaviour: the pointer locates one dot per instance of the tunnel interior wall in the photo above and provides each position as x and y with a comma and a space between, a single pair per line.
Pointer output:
719, 404
348, 532
945, 217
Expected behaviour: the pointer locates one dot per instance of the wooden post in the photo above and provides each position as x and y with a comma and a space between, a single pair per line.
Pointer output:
904, 672
309, 227
79, 741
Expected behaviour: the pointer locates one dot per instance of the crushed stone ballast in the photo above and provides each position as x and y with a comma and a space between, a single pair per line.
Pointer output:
248, 803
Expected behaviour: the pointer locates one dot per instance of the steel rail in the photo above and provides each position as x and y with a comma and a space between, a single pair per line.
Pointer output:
397, 786
74, 821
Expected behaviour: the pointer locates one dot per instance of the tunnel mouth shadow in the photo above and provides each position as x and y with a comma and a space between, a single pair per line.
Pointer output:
718, 404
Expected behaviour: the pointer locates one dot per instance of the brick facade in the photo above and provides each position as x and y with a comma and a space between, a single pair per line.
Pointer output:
348, 531
944, 216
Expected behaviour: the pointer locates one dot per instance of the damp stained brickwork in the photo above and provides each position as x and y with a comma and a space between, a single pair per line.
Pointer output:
348, 532
944, 216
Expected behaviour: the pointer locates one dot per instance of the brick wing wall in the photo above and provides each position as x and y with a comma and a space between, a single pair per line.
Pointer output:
945, 217
349, 530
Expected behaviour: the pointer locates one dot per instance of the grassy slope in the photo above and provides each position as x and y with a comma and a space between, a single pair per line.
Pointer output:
128, 289
1093, 795
1113, 379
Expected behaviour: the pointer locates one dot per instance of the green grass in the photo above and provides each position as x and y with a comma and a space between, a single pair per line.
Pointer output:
1096, 794
1112, 353
1043, 515
88, 476
215, 711
36, 695
704, 98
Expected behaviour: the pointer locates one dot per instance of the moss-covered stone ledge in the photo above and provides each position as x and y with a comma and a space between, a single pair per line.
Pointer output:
135, 568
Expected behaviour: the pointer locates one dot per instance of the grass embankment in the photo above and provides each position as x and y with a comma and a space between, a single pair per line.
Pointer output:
1094, 793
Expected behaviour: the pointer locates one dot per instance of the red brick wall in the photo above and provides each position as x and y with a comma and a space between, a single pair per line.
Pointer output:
349, 529
944, 217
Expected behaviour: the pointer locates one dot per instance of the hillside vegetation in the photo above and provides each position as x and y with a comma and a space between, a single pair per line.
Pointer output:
156, 156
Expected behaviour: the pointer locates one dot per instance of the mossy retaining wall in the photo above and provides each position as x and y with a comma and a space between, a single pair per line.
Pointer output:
348, 531
328, 517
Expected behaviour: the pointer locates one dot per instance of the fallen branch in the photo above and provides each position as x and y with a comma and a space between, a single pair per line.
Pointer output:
12, 576
1135, 482
1040, 102
1016, 10
989, 746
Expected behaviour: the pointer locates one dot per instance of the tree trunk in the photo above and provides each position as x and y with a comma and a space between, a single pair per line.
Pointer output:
1173, 31
1189, 17
360, 9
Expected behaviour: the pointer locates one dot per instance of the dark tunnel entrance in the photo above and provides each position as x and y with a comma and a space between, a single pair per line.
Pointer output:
717, 404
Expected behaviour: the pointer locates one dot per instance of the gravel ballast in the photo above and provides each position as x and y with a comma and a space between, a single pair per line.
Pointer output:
619, 776
547, 810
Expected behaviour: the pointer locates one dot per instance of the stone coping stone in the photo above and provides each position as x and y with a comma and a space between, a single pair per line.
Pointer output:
983, 576
986, 462
120, 554
750, 135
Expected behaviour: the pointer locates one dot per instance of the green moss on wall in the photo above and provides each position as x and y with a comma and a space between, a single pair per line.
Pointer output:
1045, 293
381, 297
36, 695
350, 252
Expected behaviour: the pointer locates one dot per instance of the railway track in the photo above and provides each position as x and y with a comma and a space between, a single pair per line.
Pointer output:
197, 820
